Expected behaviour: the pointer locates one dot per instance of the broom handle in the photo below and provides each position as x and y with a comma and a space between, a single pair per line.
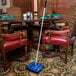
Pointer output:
41, 31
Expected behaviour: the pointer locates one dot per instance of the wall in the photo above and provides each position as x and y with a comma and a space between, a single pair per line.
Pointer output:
48, 7
4, 7
58, 7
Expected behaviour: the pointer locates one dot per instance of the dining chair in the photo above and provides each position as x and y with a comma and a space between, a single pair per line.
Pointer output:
64, 37
10, 42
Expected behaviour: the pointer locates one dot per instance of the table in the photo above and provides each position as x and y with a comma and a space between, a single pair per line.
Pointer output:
30, 26
8, 23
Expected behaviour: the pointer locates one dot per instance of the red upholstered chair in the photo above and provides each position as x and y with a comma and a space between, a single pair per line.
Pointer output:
60, 38
9, 42
63, 38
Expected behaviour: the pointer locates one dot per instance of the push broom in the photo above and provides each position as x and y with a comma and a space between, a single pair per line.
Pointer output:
35, 66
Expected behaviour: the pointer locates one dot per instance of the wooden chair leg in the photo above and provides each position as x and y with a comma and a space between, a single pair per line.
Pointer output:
72, 46
43, 53
26, 55
66, 53
4, 60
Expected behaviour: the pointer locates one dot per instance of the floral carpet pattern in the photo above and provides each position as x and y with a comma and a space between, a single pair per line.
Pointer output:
53, 66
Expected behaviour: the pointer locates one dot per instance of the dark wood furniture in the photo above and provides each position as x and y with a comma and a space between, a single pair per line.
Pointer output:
30, 26
10, 42
10, 23
54, 36
60, 38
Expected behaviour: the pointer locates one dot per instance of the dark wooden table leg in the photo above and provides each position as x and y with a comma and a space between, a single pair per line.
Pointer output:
30, 33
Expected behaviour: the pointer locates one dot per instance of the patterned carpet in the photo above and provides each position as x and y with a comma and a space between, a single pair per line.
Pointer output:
53, 66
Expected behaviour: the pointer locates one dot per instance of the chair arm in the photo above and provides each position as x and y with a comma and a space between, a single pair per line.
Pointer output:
59, 32
55, 32
13, 34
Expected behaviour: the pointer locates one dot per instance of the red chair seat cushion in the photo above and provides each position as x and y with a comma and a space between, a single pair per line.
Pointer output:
58, 40
11, 45
11, 38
